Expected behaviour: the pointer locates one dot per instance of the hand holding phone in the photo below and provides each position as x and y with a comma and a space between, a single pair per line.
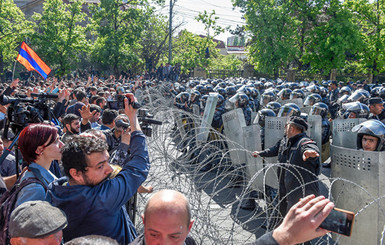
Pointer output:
339, 221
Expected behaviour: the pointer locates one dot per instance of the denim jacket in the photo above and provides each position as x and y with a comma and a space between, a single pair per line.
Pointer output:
100, 209
35, 191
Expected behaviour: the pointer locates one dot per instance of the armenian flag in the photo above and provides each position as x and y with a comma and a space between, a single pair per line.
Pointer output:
28, 58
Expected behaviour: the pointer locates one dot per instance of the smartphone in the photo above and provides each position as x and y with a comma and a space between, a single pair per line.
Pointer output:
339, 221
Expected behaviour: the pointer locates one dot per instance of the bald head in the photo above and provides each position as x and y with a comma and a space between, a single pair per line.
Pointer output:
167, 218
168, 202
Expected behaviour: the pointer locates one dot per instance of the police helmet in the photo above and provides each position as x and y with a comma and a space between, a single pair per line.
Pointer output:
345, 90
230, 91
355, 110
313, 89
375, 92
382, 93
195, 95
323, 92
284, 94
183, 97
261, 116
273, 105
254, 93
319, 108
312, 99
297, 93
289, 109
343, 99
359, 96
221, 101
241, 100
373, 128
266, 97
221, 91
269, 85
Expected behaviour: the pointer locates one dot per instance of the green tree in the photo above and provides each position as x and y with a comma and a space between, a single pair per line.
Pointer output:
369, 16
226, 62
190, 51
60, 38
210, 21
117, 27
154, 38
332, 38
272, 33
14, 28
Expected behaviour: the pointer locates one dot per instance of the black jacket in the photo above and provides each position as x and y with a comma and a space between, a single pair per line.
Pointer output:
299, 178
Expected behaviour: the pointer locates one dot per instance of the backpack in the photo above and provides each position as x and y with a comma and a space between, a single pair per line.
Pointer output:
7, 205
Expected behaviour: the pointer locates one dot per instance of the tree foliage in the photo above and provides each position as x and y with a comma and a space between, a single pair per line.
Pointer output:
14, 28
117, 27
273, 34
369, 16
190, 51
60, 37
288, 34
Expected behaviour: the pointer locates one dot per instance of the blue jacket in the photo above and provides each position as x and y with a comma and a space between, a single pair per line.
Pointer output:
35, 191
99, 209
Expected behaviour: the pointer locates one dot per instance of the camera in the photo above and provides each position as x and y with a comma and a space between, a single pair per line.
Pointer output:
23, 111
145, 120
119, 102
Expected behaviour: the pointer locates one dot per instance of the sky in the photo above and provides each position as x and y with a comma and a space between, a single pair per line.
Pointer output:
186, 10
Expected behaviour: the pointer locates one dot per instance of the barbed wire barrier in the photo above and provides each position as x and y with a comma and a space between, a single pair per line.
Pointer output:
216, 187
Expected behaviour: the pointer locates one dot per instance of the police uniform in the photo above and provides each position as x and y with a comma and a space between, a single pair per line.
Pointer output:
299, 178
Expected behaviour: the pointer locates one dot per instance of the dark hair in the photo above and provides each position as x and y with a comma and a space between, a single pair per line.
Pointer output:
95, 108
109, 116
99, 100
80, 95
75, 152
94, 98
35, 135
92, 240
67, 119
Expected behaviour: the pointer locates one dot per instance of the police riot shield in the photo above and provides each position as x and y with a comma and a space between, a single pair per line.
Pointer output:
208, 115
274, 131
178, 119
233, 122
305, 109
358, 185
252, 142
196, 117
196, 109
315, 129
342, 132
297, 101
253, 116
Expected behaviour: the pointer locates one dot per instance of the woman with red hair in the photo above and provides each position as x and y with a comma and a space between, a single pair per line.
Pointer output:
40, 145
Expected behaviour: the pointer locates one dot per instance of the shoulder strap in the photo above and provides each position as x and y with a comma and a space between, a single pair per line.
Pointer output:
8, 202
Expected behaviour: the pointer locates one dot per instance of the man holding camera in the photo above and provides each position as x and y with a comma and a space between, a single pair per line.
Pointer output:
93, 203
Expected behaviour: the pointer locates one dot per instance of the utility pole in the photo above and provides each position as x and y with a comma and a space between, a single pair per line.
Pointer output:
170, 36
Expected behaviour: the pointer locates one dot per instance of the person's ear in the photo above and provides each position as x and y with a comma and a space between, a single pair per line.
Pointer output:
142, 218
76, 175
190, 225
39, 150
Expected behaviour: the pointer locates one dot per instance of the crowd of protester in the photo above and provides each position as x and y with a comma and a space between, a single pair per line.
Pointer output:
104, 158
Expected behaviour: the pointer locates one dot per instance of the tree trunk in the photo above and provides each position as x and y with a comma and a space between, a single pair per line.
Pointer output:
2, 75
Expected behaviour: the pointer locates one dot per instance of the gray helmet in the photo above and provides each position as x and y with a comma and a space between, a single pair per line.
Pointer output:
289, 109
373, 128
361, 110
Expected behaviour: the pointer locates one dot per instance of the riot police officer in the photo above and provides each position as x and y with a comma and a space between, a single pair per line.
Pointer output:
301, 154
322, 109
332, 98
370, 135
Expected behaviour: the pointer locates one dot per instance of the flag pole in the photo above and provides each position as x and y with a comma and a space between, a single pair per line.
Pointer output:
13, 73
